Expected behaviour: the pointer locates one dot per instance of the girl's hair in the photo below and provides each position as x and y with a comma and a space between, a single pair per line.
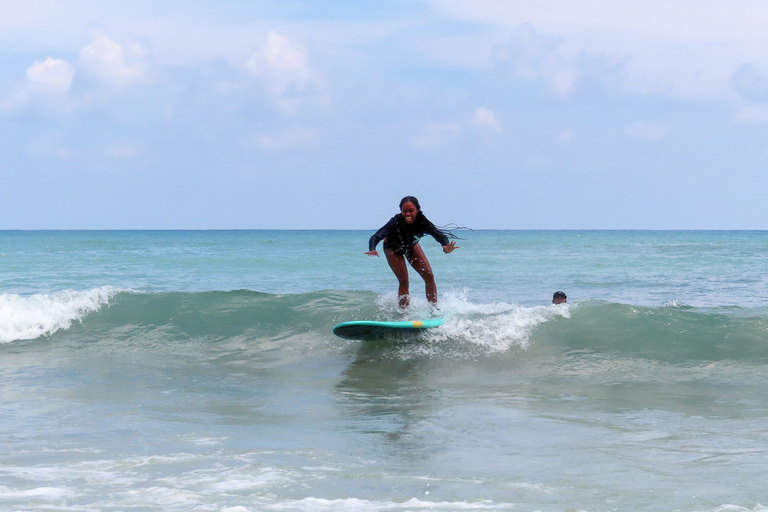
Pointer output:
410, 199
446, 230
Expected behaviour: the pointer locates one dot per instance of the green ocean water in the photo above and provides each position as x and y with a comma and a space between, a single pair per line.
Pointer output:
197, 371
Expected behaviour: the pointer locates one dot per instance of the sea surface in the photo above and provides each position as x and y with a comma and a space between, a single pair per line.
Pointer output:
197, 371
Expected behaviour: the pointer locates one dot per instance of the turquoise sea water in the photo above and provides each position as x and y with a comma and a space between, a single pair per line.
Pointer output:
196, 371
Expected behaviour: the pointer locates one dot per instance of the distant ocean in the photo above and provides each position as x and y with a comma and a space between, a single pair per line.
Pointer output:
197, 371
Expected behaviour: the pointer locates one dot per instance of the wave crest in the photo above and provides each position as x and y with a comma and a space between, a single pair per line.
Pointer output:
28, 318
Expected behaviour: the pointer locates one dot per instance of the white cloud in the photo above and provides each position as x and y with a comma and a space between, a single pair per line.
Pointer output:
48, 83
47, 86
606, 25
647, 130
484, 118
54, 75
283, 64
112, 63
685, 49
532, 56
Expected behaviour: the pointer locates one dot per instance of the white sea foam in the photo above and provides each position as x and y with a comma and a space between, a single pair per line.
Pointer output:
318, 504
27, 318
37, 493
495, 327
737, 508
491, 327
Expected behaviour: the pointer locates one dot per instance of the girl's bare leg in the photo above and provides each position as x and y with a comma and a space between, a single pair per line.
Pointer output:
420, 263
398, 266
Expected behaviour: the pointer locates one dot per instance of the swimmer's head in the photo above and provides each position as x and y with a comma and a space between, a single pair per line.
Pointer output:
559, 298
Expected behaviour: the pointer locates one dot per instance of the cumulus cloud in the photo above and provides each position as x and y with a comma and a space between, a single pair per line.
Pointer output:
527, 53
54, 75
49, 82
685, 50
486, 119
47, 86
283, 65
114, 64
531, 56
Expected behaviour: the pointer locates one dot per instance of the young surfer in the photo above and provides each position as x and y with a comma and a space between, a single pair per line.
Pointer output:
401, 242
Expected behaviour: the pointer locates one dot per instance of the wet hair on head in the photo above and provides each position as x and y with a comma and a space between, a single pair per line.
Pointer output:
410, 199
422, 219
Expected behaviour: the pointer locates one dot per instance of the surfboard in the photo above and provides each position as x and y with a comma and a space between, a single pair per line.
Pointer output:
375, 330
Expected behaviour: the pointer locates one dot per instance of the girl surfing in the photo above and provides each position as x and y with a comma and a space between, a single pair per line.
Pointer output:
401, 242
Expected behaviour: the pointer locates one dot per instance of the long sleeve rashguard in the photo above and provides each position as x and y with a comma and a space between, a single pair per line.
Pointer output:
403, 237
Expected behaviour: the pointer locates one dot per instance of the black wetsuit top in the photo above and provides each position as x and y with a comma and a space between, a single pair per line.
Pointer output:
403, 237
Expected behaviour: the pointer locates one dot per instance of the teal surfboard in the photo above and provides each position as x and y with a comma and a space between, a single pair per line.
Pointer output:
373, 330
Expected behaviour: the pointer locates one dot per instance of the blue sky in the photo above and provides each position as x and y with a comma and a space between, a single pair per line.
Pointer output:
547, 114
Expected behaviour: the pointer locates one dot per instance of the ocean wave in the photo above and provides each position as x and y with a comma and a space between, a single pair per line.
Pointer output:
178, 315
26, 318
671, 334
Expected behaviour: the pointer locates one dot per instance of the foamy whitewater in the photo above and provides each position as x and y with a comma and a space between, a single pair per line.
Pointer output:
197, 371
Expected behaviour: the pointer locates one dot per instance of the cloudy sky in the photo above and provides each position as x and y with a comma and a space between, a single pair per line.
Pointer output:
322, 114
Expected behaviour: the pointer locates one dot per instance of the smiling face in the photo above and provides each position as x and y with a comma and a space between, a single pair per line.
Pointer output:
409, 212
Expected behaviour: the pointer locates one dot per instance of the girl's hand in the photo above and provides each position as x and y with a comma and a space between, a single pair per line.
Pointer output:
447, 249
372, 253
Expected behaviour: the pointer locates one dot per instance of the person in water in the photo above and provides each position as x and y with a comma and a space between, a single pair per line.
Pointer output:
401, 242
559, 298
